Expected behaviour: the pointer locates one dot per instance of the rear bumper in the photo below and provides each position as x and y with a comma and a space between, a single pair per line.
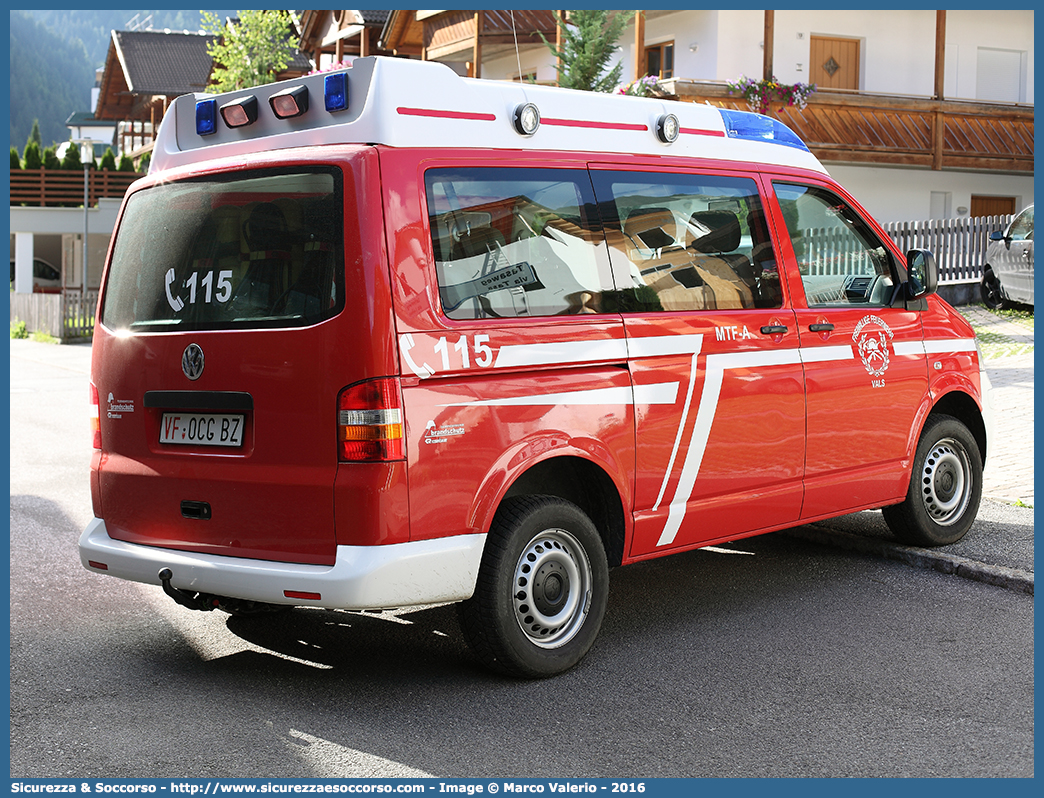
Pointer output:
363, 577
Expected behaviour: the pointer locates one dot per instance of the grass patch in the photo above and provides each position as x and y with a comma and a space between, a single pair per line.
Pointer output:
18, 330
44, 338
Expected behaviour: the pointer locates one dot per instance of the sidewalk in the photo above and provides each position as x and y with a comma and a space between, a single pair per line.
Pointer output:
999, 547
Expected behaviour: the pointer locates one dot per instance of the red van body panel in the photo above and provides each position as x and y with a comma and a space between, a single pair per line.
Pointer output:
282, 495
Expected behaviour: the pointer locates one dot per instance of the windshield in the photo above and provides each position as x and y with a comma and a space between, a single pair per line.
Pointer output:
253, 249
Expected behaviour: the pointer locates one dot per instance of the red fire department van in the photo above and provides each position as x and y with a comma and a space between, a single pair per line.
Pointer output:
386, 337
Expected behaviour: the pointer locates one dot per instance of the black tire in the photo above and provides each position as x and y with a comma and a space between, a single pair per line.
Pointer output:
542, 589
945, 487
990, 289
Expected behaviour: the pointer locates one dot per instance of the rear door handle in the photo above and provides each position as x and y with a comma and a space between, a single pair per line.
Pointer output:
773, 329
821, 327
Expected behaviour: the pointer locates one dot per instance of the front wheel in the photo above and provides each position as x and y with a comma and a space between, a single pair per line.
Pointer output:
542, 589
945, 487
989, 288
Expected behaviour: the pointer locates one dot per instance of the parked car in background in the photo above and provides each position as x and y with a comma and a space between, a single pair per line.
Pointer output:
1008, 274
46, 278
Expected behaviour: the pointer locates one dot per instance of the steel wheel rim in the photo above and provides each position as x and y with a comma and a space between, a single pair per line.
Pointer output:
552, 588
946, 482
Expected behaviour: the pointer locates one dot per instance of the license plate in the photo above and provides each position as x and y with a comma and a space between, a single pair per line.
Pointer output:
202, 429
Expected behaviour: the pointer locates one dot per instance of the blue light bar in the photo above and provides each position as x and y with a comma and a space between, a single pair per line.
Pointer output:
206, 117
335, 91
755, 127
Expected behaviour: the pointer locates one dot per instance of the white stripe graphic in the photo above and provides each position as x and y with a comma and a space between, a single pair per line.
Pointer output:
824, 354
515, 355
660, 393
717, 365
944, 346
661, 345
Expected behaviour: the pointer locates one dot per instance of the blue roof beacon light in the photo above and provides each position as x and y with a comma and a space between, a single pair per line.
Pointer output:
206, 117
335, 92
756, 127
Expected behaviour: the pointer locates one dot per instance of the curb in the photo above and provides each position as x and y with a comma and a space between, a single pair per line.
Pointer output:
930, 559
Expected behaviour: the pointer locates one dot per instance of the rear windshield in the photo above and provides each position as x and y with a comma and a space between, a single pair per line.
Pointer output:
253, 249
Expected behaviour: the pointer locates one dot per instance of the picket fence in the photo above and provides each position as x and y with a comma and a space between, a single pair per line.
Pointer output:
959, 246
68, 316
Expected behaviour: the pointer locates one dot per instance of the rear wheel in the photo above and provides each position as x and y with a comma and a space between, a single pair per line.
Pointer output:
945, 487
990, 289
542, 589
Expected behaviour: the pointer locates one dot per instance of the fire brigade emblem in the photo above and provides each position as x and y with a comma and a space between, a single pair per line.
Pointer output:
871, 337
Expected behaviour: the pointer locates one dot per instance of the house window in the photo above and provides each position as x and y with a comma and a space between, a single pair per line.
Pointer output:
1000, 75
525, 77
659, 60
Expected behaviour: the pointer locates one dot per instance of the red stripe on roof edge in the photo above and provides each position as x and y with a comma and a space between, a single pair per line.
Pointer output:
478, 117
589, 123
697, 132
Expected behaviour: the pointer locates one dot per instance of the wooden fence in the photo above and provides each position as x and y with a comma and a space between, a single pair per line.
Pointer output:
959, 245
68, 316
64, 187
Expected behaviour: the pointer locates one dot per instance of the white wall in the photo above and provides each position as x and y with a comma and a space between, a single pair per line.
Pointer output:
967, 31
897, 48
894, 195
505, 67
740, 50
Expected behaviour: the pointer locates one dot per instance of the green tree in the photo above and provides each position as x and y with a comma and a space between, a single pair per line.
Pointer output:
50, 158
108, 160
16, 161
32, 158
72, 158
249, 52
126, 163
34, 134
588, 43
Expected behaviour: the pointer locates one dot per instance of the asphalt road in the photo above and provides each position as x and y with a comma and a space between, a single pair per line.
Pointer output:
787, 659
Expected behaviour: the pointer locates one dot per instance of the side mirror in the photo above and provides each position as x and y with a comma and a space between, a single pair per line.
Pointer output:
922, 274
997, 235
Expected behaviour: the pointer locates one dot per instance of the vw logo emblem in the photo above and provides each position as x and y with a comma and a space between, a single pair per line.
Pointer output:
192, 361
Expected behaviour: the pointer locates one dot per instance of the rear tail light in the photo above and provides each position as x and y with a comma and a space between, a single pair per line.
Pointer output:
369, 422
95, 416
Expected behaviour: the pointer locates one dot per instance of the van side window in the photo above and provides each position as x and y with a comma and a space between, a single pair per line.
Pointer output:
689, 242
841, 261
515, 242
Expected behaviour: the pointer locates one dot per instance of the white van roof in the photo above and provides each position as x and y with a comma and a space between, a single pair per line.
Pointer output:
407, 103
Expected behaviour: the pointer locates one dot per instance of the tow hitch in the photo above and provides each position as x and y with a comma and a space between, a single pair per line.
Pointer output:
194, 601
205, 602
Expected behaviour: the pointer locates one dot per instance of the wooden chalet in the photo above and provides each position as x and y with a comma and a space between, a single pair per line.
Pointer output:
341, 34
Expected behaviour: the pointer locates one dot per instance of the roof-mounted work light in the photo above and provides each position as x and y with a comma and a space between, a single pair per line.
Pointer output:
206, 117
667, 128
526, 119
240, 112
289, 102
335, 92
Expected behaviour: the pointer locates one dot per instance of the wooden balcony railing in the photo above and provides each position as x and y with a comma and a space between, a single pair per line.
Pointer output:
64, 187
900, 131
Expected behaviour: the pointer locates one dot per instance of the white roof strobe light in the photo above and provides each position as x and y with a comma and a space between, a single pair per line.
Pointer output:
526, 119
668, 128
